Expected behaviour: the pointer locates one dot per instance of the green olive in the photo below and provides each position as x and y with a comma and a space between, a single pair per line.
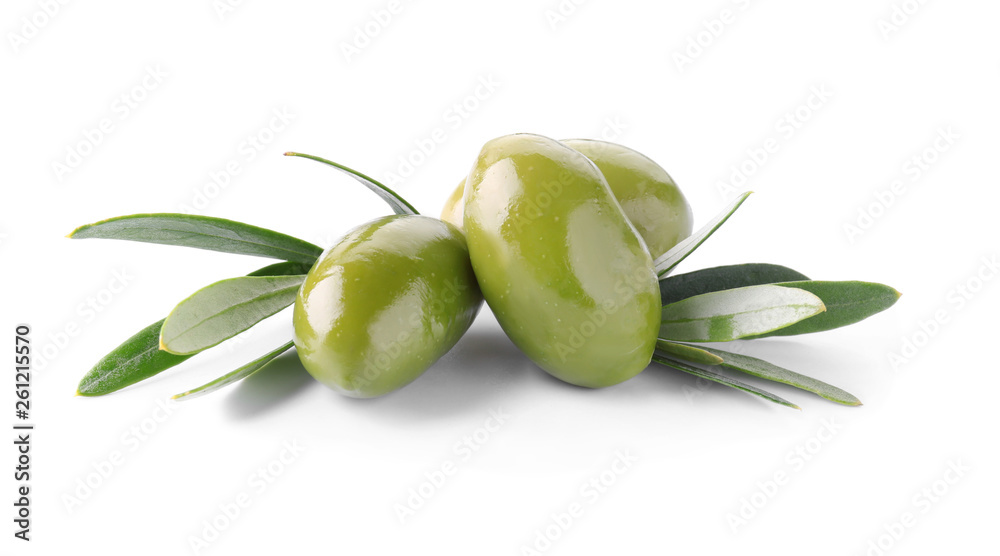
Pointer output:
382, 305
567, 276
648, 195
453, 207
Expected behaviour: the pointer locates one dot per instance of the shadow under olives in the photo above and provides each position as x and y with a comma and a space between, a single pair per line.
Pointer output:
275, 385
480, 372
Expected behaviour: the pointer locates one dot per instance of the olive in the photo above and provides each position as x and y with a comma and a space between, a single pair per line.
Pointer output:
648, 195
382, 305
453, 207
567, 276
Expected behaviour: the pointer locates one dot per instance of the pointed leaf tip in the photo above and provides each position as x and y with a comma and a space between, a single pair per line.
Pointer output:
237, 375
139, 357
398, 204
201, 232
769, 371
666, 262
224, 309
846, 303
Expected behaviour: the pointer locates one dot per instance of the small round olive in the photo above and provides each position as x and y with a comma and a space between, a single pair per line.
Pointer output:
382, 305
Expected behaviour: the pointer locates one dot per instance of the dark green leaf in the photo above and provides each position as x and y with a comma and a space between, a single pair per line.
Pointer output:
664, 359
667, 261
234, 376
728, 315
222, 310
201, 232
140, 357
683, 286
770, 371
282, 269
397, 203
846, 303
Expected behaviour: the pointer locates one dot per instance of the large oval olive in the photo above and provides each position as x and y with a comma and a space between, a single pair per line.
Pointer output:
383, 304
565, 273
649, 196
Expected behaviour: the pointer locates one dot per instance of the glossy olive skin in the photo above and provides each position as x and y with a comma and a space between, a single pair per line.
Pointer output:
648, 195
383, 304
455, 206
566, 274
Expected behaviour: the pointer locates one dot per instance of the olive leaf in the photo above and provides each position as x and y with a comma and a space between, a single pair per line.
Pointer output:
668, 361
667, 261
201, 232
140, 356
682, 286
397, 203
763, 369
282, 269
846, 303
136, 359
688, 352
222, 310
733, 314
234, 376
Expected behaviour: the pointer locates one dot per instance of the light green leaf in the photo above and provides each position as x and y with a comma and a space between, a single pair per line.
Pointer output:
668, 361
683, 286
201, 232
222, 310
688, 352
234, 376
667, 261
846, 303
140, 357
733, 314
770, 371
398, 204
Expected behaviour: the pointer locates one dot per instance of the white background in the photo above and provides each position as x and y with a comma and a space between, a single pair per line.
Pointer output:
612, 69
